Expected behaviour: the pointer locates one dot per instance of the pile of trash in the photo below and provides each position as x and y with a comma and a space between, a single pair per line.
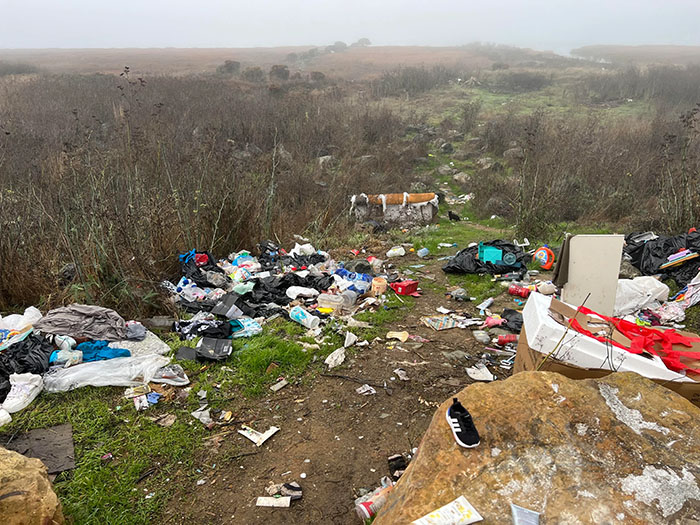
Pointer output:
75, 346
234, 297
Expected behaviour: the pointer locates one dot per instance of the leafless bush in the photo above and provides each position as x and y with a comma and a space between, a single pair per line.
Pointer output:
586, 169
412, 80
519, 81
470, 115
16, 68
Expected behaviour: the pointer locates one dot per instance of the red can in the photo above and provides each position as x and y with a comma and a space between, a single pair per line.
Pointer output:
518, 290
503, 340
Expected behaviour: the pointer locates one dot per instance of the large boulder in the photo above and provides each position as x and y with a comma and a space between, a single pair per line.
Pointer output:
26, 494
615, 450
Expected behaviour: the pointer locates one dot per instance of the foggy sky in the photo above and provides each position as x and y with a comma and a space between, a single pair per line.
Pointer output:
542, 24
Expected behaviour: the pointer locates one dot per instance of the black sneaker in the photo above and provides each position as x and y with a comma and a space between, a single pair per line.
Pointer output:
462, 426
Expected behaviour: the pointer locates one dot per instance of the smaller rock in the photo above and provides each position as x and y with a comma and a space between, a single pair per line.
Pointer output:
447, 148
461, 178
445, 170
485, 163
516, 153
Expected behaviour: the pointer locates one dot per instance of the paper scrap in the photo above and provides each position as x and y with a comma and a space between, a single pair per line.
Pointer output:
458, 512
266, 501
257, 437
366, 390
523, 516
479, 372
279, 385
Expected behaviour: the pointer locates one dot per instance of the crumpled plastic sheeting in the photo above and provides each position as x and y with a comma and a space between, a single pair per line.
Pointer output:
122, 371
638, 294
18, 322
336, 358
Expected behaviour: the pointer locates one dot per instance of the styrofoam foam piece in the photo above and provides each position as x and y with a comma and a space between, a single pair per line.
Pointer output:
544, 333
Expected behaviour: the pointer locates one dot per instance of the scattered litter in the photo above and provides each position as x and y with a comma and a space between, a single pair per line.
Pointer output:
396, 251
484, 305
459, 511
141, 402
401, 336
266, 501
401, 373
439, 323
202, 414
366, 390
165, 420
336, 358
482, 336
479, 372
201, 481
523, 516
279, 385
257, 437
408, 287
350, 339
443, 310
302, 475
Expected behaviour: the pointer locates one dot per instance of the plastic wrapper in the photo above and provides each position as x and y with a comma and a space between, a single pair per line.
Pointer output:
122, 371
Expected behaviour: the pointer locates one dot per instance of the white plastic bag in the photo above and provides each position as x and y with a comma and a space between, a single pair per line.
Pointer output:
639, 293
18, 322
300, 291
336, 358
120, 371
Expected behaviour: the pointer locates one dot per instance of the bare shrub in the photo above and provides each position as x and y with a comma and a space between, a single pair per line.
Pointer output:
118, 174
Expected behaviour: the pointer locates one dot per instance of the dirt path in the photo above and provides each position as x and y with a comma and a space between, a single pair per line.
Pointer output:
338, 438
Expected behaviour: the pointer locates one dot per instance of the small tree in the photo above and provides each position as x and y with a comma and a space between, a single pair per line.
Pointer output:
279, 72
292, 57
254, 74
362, 42
229, 67
317, 76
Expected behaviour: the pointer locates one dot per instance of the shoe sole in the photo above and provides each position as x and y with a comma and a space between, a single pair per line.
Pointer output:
459, 441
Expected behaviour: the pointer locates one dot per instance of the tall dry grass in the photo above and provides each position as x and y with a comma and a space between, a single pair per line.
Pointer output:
117, 175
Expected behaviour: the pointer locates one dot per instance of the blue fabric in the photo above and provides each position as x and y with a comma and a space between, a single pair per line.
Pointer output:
99, 351
187, 256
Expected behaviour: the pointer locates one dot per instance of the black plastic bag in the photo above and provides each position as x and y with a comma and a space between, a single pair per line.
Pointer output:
514, 320
649, 256
466, 262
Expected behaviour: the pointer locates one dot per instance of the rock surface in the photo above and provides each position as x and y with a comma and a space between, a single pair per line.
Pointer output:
26, 494
615, 450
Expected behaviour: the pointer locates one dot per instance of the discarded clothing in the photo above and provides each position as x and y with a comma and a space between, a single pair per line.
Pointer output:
135, 331
31, 355
466, 260
100, 351
514, 320
82, 321
244, 327
214, 329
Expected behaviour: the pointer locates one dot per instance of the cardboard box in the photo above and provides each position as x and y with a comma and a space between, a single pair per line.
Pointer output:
528, 359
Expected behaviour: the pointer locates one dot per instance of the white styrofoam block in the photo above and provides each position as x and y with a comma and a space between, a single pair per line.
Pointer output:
544, 333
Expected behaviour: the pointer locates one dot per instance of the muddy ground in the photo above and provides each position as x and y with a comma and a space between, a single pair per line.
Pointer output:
338, 439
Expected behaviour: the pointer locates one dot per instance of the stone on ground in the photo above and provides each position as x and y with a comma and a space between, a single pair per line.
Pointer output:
26, 494
620, 449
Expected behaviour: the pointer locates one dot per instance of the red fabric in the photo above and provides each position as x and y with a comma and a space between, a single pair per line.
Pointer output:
644, 339
200, 259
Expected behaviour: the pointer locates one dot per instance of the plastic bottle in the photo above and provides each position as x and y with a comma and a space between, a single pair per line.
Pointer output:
327, 300
349, 298
520, 291
506, 339
360, 281
368, 508
396, 251
545, 257
423, 252
304, 318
